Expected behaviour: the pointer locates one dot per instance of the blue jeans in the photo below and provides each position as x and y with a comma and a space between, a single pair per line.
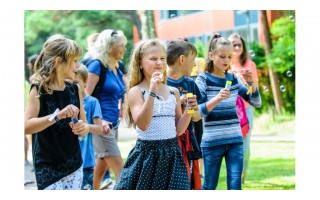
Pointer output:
212, 159
87, 178
246, 140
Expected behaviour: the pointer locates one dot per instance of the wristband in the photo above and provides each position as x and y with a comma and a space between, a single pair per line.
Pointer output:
54, 116
152, 94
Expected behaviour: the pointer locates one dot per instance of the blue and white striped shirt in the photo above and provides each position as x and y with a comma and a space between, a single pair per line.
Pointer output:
221, 124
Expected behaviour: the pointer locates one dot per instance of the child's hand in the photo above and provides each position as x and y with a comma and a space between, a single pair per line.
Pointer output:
192, 102
69, 111
156, 80
223, 94
79, 128
183, 102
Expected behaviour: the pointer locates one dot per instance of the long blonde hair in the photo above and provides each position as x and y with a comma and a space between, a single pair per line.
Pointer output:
135, 72
104, 43
45, 66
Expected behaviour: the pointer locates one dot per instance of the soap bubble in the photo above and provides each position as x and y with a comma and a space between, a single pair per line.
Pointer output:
291, 17
265, 88
252, 53
289, 73
283, 88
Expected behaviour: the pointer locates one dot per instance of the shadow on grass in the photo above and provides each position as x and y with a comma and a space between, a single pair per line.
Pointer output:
266, 174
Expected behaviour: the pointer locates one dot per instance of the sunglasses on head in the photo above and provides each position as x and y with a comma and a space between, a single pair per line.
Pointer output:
114, 32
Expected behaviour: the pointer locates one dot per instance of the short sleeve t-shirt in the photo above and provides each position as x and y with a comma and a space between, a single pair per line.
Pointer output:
93, 110
113, 90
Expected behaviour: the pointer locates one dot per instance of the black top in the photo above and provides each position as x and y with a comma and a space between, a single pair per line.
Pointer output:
56, 151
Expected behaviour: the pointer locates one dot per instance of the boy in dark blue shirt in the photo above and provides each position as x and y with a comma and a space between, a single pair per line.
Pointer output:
181, 59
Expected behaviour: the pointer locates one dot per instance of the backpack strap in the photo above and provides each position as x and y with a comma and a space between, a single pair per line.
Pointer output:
102, 78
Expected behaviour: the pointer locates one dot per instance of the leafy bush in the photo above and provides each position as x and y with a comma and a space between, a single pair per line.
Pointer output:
282, 59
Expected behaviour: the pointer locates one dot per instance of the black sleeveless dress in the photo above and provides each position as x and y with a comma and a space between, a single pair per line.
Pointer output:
56, 150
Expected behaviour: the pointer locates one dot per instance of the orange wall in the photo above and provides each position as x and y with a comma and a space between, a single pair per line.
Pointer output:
194, 24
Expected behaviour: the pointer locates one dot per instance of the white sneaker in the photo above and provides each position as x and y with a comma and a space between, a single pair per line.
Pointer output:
105, 183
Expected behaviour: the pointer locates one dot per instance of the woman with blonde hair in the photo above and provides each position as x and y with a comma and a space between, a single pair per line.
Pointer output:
106, 84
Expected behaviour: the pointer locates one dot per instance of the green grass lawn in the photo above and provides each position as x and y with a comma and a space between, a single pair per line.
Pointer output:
271, 167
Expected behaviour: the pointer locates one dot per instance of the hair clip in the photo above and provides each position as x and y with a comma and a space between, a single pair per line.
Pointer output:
217, 35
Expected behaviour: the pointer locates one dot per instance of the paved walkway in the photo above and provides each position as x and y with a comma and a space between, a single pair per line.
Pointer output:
127, 139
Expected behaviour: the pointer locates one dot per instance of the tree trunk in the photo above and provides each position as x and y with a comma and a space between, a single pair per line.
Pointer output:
273, 75
132, 15
143, 19
150, 24
147, 24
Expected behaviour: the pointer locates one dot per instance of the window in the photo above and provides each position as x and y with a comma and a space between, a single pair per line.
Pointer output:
168, 14
241, 19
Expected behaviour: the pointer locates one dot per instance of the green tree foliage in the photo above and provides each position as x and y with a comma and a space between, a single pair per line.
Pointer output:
76, 24
283, 41
282, 58
264, 80
201, 49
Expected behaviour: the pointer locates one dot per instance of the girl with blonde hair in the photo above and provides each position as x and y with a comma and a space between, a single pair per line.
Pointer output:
155, 110
51, 115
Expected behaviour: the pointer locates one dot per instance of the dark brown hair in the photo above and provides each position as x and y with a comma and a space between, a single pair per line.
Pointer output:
244, 54
179, 47
215, 43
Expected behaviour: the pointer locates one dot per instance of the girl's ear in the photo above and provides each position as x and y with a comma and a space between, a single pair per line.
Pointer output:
210, 55
57, 60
